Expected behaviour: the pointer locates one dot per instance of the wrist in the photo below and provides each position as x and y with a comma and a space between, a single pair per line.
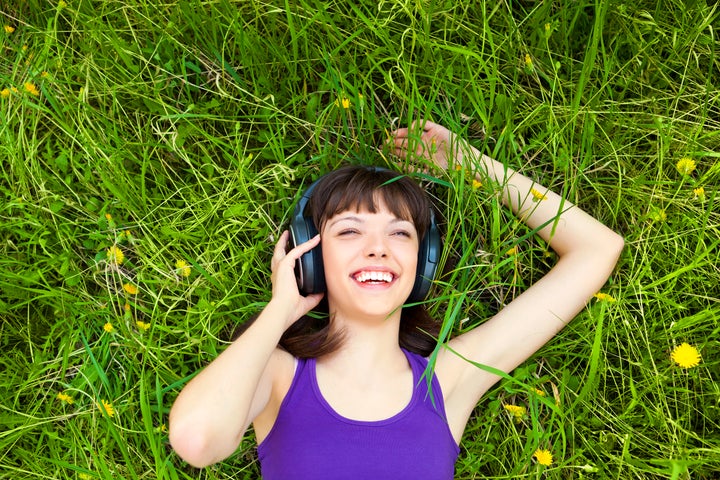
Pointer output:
280, 313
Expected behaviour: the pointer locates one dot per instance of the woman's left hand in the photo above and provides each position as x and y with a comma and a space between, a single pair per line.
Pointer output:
435, 143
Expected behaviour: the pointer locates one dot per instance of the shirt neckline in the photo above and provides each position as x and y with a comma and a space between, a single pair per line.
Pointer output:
366, 423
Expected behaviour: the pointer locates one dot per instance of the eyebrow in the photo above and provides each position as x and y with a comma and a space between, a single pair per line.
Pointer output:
356, 219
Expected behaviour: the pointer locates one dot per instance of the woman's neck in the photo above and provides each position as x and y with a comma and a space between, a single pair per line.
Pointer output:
367, 345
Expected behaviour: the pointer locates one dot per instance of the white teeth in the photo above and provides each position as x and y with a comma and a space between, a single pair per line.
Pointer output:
363, 277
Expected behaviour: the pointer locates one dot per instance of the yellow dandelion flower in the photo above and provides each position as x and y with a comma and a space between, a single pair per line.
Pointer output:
539, 392
106, 407
476, 184
516, 411
127, 307
44, 74
64, 397
685, 165
142, 325
115, 255
31, 89
5, 93
108, 216
130, 289
699, 193
528, 60
457, 167
343, 102
686, 356
108, 327
9, 29
537, 195
183, 268
604, 297
543, 457
512, 251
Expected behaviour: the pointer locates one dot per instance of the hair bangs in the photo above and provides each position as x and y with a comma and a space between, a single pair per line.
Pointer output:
361, 188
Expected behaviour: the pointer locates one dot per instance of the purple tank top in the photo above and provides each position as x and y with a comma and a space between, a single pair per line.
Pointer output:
309, 440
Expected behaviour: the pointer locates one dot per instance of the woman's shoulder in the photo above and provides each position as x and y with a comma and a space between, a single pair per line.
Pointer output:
416, 358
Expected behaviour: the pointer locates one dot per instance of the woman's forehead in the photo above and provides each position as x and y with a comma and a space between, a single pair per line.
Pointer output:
379, 206
364, 215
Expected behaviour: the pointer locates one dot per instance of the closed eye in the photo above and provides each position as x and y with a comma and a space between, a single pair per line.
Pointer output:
347, 232
403, 233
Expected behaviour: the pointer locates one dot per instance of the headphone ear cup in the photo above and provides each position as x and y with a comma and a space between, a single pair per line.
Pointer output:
309, 270
428, 259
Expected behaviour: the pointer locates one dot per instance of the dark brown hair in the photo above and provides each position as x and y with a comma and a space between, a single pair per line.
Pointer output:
361, 188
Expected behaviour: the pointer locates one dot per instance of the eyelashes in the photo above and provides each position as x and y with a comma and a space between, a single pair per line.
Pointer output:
350, 232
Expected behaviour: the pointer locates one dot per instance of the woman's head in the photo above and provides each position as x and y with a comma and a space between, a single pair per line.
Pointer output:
369, 189
365, 188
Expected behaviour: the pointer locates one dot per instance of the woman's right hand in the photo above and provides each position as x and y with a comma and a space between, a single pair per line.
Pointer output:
284, 283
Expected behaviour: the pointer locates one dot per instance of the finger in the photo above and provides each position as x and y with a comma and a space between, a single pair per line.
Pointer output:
312, 300
303, 248
416, 128
279, 251
422, 125
400, 152
428, 125
416, 125
407, 142
400, 133
420, 145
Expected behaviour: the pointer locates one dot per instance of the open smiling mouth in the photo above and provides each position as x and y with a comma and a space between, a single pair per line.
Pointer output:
374, 278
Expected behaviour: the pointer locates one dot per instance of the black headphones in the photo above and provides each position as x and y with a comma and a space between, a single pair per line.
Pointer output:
309, 269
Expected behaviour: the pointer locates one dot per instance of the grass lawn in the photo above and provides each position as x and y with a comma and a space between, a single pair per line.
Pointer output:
151, 153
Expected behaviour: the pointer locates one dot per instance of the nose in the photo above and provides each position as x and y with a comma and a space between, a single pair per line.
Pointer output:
375, 246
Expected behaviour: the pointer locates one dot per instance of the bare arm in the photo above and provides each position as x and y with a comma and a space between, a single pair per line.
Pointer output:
213, 411
587, 251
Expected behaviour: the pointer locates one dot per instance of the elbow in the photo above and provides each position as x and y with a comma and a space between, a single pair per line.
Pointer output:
605, 253
597, 254
615, 246
604, 244
199, 446
190, 444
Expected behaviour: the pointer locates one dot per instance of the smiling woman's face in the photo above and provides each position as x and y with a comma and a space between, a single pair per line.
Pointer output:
370, 261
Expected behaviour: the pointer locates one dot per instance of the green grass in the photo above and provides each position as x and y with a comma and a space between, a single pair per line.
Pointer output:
186, 132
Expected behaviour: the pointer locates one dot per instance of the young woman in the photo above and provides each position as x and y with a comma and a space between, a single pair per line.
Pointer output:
359, 408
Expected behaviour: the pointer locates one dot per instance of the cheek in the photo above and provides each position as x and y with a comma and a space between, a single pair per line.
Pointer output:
410, 259
332, 257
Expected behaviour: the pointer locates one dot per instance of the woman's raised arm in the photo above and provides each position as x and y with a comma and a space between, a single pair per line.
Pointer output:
213, 411
587, 253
